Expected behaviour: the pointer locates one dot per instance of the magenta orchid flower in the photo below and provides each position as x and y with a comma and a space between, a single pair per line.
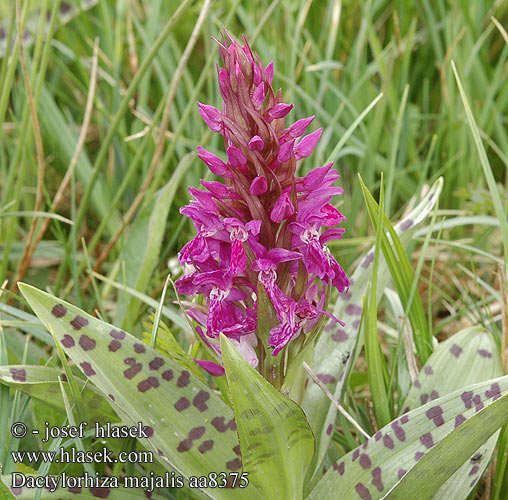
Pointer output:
263, 225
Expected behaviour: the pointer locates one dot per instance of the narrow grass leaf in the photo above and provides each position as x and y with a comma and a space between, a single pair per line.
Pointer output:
403, 278
377, 372
142, 249
484, 162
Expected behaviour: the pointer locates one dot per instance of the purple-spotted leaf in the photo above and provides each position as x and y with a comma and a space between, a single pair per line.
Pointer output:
190, 429
468, 357
5, 493
276, 441
41, 382
21, 487
373, 469
446, 457
333, 349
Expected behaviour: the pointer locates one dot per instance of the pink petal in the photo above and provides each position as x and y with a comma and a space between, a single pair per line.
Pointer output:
245, 346
258, 186
235, 157
258, 96
257, 79
279, 111
238, 259
283, 208
223, 82
331, 234
211, 116
281, 335
298, 128
216, 188
214, 163
333, 216
256, 143
285, 152
278, 255
269, 73
253, 226
211, 367
315, 177
305, 147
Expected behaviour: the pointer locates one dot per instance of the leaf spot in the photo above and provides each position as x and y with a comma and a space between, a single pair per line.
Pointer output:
205, 446
78, 322
59, 311
456, 350
339, 468
388, 441
428, 370
183, 379
114, 345
427, 440
363, 492
364, 461
147, 384
87, 368
86, 343
117, 334
67, 341
156, 363
139, 348
200, 400
376, 479
182, 404
235, 464
18, 374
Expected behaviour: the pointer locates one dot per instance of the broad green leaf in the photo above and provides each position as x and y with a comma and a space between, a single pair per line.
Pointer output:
142, 248
41, 382
447, 456
5, 493
191, 430
334, 348
276, 441
468, 357
370, 471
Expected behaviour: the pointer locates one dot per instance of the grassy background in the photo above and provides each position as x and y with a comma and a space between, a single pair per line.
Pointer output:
116, 228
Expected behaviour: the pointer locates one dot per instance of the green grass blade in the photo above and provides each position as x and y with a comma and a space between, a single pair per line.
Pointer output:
484, 162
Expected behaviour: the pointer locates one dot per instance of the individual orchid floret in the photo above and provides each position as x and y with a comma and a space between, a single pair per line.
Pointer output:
260, 229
